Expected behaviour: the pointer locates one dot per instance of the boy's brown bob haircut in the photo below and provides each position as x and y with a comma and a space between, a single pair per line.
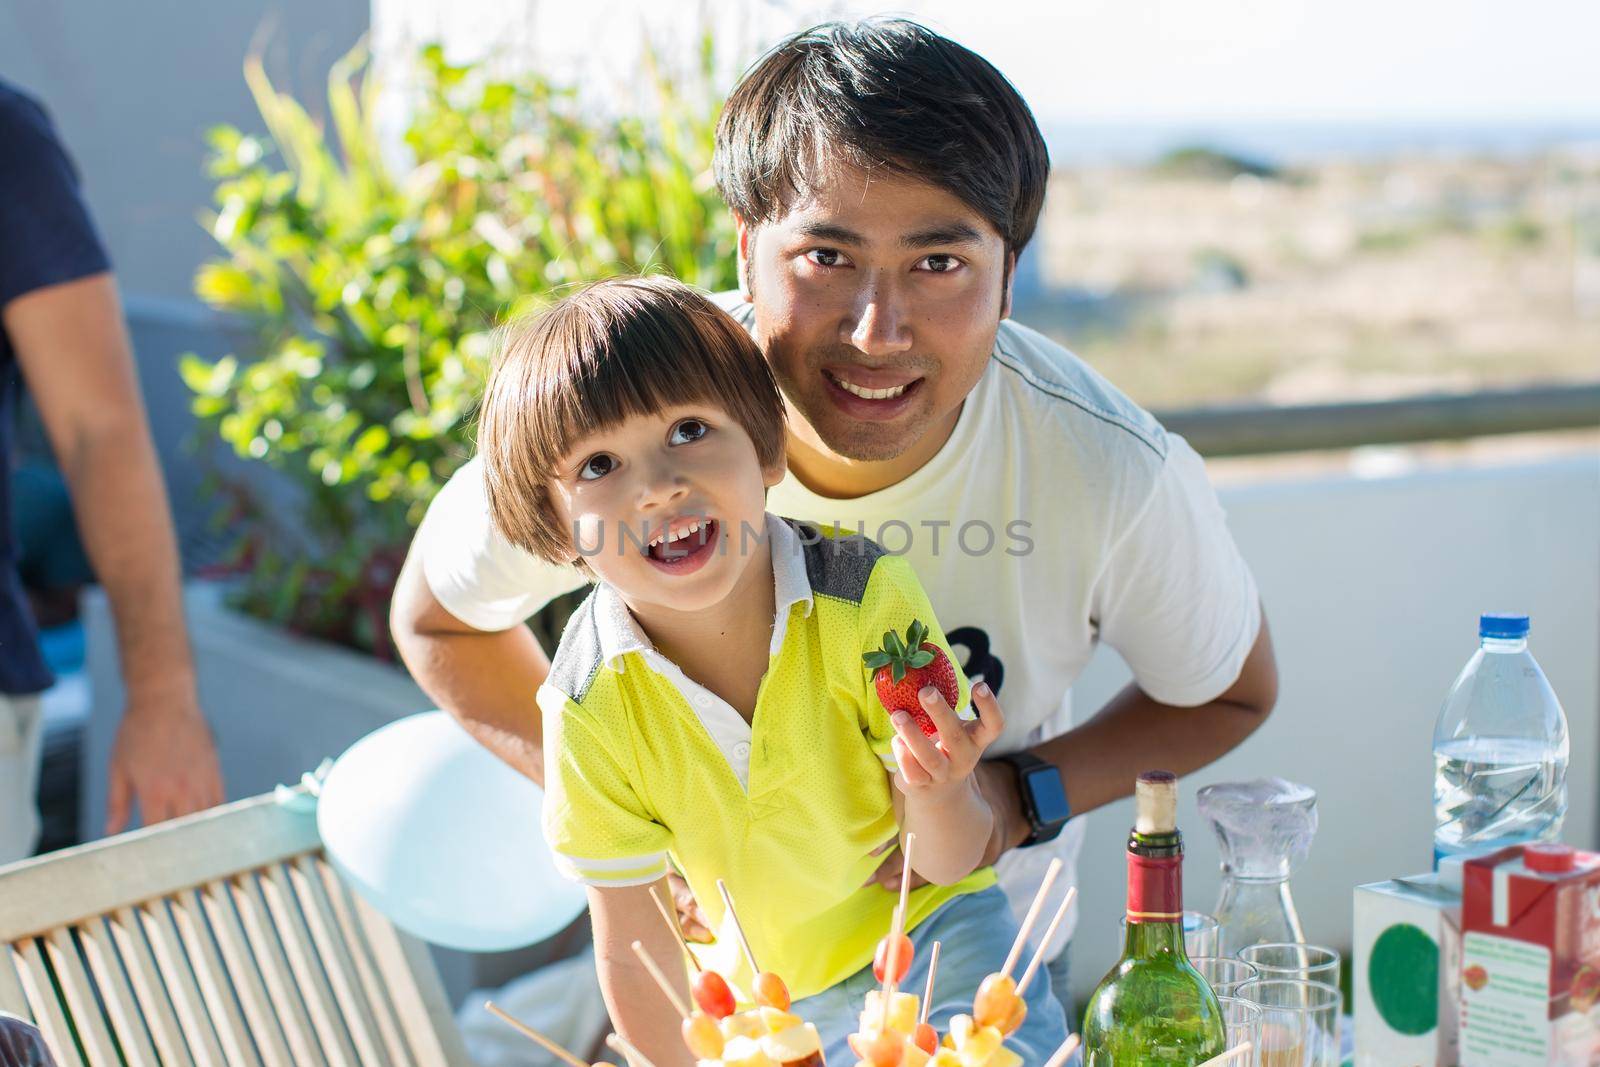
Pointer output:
613, 350
881, 94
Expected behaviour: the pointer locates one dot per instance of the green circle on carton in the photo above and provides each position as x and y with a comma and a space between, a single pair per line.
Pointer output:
1403, 975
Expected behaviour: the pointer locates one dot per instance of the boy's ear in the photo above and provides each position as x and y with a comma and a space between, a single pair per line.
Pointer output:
747, 237
771, 476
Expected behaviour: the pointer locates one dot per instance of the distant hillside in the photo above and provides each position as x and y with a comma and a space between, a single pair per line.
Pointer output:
1200, 161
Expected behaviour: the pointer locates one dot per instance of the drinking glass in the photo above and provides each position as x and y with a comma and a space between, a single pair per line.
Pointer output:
1242, 1018
1299, 1022
1224, 974
1309, 963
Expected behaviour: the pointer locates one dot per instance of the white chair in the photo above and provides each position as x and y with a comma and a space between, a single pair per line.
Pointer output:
223, 938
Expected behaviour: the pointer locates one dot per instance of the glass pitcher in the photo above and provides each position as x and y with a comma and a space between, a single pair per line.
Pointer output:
1265, 828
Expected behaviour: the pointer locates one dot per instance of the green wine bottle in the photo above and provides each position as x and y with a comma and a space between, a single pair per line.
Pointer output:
1153, 1008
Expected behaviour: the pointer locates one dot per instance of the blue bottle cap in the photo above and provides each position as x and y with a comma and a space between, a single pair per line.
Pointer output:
1502, 626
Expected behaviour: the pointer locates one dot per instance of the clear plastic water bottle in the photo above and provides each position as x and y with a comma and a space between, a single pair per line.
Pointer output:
1499, 749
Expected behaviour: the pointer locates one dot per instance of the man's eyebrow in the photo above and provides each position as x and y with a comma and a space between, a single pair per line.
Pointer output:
944, 233
830, 232
950, 233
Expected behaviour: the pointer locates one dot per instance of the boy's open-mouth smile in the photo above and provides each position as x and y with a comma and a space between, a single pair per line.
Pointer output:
684, 545
868, 394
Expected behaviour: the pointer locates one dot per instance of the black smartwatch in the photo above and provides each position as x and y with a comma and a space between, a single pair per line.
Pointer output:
1044, 796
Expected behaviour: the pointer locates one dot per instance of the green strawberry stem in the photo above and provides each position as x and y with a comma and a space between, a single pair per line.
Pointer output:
900, 656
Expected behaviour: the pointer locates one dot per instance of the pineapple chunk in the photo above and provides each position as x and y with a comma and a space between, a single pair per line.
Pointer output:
945, 1057
746, 1052
743, 1024
777, 1020
1004, 1057
980, 1046
903, 1011
913, 1055
793, 1044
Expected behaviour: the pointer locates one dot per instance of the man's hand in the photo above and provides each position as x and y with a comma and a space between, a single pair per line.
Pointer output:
691, 920
163, 757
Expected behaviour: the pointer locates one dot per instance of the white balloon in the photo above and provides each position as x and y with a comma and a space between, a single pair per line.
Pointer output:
443, 838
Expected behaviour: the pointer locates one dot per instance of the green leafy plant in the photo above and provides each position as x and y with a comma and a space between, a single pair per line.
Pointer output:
371, 289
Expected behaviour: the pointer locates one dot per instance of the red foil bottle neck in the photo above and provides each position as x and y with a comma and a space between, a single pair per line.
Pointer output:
1155, 888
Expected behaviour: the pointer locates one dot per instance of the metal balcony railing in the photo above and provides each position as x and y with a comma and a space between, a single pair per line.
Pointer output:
1258, 429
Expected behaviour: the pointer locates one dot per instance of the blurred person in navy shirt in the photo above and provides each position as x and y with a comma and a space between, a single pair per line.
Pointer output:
62, 332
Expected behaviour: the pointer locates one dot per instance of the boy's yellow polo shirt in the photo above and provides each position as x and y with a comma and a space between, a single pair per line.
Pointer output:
644, 767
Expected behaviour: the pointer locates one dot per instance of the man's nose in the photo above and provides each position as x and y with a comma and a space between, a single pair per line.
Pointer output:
881, 326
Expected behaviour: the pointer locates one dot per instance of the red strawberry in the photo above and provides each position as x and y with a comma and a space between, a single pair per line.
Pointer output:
901, 668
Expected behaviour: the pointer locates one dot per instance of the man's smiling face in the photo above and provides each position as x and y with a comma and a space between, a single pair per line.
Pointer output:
877, 300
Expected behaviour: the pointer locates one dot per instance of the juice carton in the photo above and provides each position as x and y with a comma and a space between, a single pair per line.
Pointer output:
1407, 972
1530, 974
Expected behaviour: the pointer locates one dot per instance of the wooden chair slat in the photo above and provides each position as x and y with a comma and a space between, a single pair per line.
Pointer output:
291, 928
176, 968
418, 997
12, 998
216, 988
82, 1001
148, 988
127, 1022
338, 895
336, 961
216, 897
281, 987
47, 1013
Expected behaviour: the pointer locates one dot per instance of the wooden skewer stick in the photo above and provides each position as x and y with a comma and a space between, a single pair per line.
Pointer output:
620, 1045
891, 964
738, 928
677, 931
661, 979
1064, 1053
905, 873
897, 928
1049, 932
1033, 916
1230, 1055
933, 969
535, 1036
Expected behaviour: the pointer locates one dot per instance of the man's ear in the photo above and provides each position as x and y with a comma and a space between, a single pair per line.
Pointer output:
747, 237
1011, 279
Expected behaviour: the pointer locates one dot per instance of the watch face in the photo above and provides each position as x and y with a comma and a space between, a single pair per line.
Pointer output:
1049, 795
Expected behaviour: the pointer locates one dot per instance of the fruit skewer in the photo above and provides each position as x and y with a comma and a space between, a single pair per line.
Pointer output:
536, 1037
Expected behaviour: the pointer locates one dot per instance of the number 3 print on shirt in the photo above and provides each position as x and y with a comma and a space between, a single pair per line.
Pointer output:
979, 664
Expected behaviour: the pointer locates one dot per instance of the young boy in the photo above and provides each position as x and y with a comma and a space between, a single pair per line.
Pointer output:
708, 702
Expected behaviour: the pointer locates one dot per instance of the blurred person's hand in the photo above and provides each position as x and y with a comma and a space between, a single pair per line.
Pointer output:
691, 920
164, 758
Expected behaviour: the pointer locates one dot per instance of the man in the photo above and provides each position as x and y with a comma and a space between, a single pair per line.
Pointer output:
61, 326
884, 180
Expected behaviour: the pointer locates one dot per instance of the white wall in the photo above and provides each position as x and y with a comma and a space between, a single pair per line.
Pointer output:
1373, 588
133, 88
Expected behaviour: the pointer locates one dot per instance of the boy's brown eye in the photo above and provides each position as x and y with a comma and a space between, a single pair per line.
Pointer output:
596, 467
688, 430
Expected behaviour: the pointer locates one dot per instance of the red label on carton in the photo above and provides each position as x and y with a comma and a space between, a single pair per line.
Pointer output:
1530, 977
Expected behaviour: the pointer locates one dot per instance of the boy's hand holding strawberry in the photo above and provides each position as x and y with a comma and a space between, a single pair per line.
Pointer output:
916, 682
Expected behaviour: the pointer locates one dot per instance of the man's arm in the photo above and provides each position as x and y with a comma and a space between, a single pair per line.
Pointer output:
486, 679
1100, 759
638, 1008
75, 355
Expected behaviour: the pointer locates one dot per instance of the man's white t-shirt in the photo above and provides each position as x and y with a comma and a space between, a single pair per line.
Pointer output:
1058, 515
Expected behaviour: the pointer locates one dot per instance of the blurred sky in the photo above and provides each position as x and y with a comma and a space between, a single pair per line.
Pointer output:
1167, 61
